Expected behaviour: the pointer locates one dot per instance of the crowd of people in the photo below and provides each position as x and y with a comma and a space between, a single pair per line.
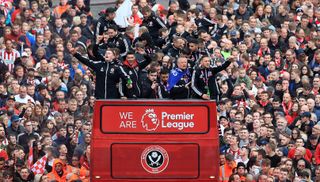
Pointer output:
259, 60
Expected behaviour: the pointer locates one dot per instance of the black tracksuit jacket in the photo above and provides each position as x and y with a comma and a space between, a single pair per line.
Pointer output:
108, 76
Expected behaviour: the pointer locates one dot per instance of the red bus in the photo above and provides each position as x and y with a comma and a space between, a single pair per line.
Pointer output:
144, 140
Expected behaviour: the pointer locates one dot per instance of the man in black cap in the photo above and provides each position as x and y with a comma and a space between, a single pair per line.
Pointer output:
10, 104
105, 21
15, 128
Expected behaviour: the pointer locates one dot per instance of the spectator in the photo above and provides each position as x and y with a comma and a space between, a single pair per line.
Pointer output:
226, 169
207, 85
105, 21
58, 173
258, 60
113, 75
150, 86
179, 80
15, 127
25, 139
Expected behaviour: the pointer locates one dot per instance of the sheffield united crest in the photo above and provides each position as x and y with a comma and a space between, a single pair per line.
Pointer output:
154, 159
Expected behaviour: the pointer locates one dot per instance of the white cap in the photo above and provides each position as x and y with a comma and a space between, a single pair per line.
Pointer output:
24, 54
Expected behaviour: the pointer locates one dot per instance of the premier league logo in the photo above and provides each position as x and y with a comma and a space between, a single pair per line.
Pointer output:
154, 159
149, 120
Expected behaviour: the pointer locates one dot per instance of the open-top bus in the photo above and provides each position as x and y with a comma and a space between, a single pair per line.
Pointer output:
144, 140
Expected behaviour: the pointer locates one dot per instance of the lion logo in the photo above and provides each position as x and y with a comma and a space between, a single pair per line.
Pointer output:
149, 120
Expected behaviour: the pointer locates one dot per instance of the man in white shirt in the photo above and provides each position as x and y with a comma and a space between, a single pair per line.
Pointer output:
23, 97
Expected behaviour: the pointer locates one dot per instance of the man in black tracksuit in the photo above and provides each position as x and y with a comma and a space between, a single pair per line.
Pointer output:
152, 22
108, 74
203, 82
163, 84
105, 21
150, 85
117, 40
133, 68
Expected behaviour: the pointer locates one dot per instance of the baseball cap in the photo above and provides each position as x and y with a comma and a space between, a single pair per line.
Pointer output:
257, 31
41, 87
233, 33
83, 15
11, 97
264, 29
279, 112
247, 34
299, 10
313, 137
258, 79
264, 142
241, 164
306, 114
15, 118
24, 54
221, 117
31, 70
53, 56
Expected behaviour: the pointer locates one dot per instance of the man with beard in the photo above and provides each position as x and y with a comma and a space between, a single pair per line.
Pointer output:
117, 40
150, 86
284, 140
253, 137
58, 172
282, 126
193, 45
163, 84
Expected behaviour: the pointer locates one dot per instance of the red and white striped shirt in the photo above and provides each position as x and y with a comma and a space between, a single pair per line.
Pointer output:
9, 58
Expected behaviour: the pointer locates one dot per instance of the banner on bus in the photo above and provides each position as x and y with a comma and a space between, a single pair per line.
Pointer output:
154, 119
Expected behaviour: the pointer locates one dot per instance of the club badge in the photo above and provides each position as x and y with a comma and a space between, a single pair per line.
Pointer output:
154, 159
